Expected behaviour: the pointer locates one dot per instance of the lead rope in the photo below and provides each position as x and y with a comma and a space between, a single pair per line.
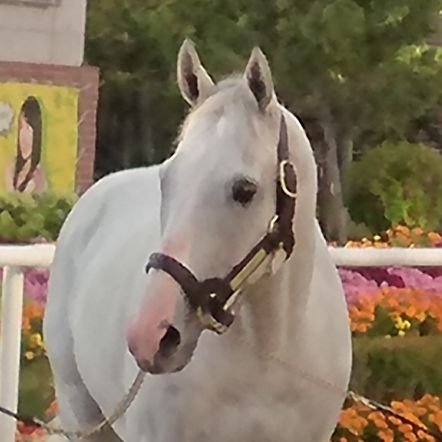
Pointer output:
120, 410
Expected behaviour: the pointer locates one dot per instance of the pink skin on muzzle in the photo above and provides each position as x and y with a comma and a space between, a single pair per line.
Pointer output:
157, 312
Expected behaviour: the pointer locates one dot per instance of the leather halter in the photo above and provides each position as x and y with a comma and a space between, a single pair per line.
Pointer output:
212, 299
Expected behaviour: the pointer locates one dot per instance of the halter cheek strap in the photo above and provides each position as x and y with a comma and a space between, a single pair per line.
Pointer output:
212, 299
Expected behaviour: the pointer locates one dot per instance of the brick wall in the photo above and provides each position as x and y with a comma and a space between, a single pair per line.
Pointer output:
85, 79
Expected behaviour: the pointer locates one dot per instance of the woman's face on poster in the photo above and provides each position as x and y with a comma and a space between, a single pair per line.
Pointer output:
25, 137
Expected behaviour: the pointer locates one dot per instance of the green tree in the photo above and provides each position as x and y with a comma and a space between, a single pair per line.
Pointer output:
397, 183
356, 72
362, 73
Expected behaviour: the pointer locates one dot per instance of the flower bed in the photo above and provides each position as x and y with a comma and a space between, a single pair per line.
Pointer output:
394, 301
400, 236
359, 423
396, 368
396, 319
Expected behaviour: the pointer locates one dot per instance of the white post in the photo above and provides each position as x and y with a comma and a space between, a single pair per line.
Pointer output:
10, 342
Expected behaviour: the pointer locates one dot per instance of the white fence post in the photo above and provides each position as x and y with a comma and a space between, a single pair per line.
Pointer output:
10, 332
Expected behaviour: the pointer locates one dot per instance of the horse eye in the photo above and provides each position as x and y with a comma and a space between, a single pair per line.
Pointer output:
243, 191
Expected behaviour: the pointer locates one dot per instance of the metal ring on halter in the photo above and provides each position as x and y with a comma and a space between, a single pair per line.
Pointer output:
282, 178
210, 322
273, 224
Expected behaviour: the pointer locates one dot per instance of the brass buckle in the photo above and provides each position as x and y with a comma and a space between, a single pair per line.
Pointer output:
282, 178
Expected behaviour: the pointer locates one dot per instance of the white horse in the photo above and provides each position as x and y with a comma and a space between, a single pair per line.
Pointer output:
281, 370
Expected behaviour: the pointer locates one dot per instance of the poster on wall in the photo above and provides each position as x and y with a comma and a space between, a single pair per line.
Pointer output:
38, 137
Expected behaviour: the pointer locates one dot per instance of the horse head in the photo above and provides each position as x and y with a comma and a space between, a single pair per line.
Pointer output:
228, 195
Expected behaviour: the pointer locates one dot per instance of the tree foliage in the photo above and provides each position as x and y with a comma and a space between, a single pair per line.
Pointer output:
356, 71
397, 183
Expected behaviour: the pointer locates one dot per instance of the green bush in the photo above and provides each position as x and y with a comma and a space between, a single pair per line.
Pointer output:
396, 183
397, 368
26, 217
36, 388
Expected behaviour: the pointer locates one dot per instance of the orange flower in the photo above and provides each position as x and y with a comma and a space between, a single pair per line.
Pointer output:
394, 420
428, 399
425, 436
405, 428
352, 421
436, 419
410, 437
378, 419
411, 311
386, 435
434, 237
417, 231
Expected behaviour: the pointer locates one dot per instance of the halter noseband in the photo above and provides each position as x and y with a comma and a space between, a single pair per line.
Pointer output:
213, 298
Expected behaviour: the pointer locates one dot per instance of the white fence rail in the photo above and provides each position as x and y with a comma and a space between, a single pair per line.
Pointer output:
373, 257
14, 259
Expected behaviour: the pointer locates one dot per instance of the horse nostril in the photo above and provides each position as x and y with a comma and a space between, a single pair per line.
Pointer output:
170, 341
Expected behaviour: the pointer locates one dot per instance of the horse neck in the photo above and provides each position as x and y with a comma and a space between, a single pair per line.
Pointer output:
274, 307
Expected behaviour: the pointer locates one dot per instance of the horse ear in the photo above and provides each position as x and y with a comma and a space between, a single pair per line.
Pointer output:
194, 82
259, 78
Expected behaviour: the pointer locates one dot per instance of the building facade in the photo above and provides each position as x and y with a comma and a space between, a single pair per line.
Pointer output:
48, 97
43, 31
